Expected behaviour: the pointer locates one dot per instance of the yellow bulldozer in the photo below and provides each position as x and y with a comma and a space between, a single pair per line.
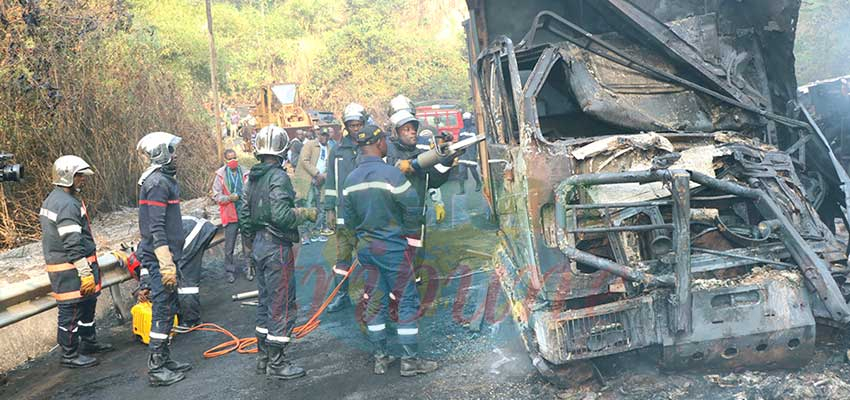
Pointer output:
278, 104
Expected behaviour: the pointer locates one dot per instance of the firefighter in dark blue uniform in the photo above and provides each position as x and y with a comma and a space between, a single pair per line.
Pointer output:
382, 207
342, 160
69, 252
161, 229
269, 220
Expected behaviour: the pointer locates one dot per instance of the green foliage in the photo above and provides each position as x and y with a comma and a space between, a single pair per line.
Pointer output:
822, 48
338, 50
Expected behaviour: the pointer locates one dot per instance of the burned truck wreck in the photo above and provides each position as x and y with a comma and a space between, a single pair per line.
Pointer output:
656, 182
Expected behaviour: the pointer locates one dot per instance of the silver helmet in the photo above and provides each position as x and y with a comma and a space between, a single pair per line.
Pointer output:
159, 147
271, 140
401, 103
402, 117
354, 112
65, 167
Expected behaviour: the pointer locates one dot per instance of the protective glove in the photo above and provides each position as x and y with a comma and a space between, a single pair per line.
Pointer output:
305, 214
330, 219
405, 166
440, 212
84, 271
233, 197
167, 268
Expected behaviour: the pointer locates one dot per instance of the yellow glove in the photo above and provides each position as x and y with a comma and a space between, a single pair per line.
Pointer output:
306, 214
440, 211
166, 268
121, 257
87, 285
405, 166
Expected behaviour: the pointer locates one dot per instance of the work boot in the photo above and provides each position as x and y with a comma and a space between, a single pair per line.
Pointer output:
478, 186
158, 374
94, 347
412, 365
249, 273
262, 354
462, 185
341, 300
231, 277
77, 360
174, 365
279, 367
382, 358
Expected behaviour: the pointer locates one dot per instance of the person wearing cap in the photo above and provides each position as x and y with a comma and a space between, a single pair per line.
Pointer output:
69, 252
341, 162
382, 207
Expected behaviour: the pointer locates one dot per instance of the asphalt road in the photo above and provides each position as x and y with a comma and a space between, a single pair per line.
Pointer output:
489, 363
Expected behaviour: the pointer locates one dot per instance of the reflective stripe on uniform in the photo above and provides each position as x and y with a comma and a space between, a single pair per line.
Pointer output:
157, 335
423, 147
377, 328
74, 228
48, 214
72, 295
152, 203
264, 331
330, 192
143, 272
279, 339
392, 296
188, 290
66, 329
197, 229
407, 331
60, 267
340, 221
468, 162
377, 185
86, 324
340, 271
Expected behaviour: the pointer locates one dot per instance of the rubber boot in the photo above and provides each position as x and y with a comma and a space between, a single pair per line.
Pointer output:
174, 365
279, 367
462, 184
71, 357
341, 300
382, 358
262, 354
89, 343
477, 186
158, 374
412, 365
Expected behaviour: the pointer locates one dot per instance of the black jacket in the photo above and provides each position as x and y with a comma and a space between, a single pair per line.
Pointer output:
160, 221
65, 238
342, 160
269, 203
398, 151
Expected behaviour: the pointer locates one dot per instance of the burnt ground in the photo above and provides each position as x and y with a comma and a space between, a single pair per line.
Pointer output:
490, 363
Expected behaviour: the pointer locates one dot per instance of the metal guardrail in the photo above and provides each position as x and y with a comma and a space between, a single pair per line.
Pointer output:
22, 300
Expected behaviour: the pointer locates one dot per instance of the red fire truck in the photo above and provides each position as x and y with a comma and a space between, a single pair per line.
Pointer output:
445, 117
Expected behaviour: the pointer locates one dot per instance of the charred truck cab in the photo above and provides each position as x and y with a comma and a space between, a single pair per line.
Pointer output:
655, 182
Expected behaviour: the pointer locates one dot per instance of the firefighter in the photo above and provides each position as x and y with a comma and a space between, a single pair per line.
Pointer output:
340, 163
270, 219
383, 208
198, 233
161, 227
69, 252
403, 153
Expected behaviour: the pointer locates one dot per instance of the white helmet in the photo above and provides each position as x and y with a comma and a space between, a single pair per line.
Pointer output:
401, 103
65, 167
159, 147
271, 140
467, 115
402, 117
354, 112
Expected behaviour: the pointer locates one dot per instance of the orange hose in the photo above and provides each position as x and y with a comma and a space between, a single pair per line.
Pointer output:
243, 345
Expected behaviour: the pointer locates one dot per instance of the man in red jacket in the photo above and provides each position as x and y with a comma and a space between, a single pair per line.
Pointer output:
227, 192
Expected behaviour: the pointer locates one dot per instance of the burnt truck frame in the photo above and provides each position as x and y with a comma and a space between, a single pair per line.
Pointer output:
655, 181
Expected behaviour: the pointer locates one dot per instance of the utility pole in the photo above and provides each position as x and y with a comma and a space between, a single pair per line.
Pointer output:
214, 83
